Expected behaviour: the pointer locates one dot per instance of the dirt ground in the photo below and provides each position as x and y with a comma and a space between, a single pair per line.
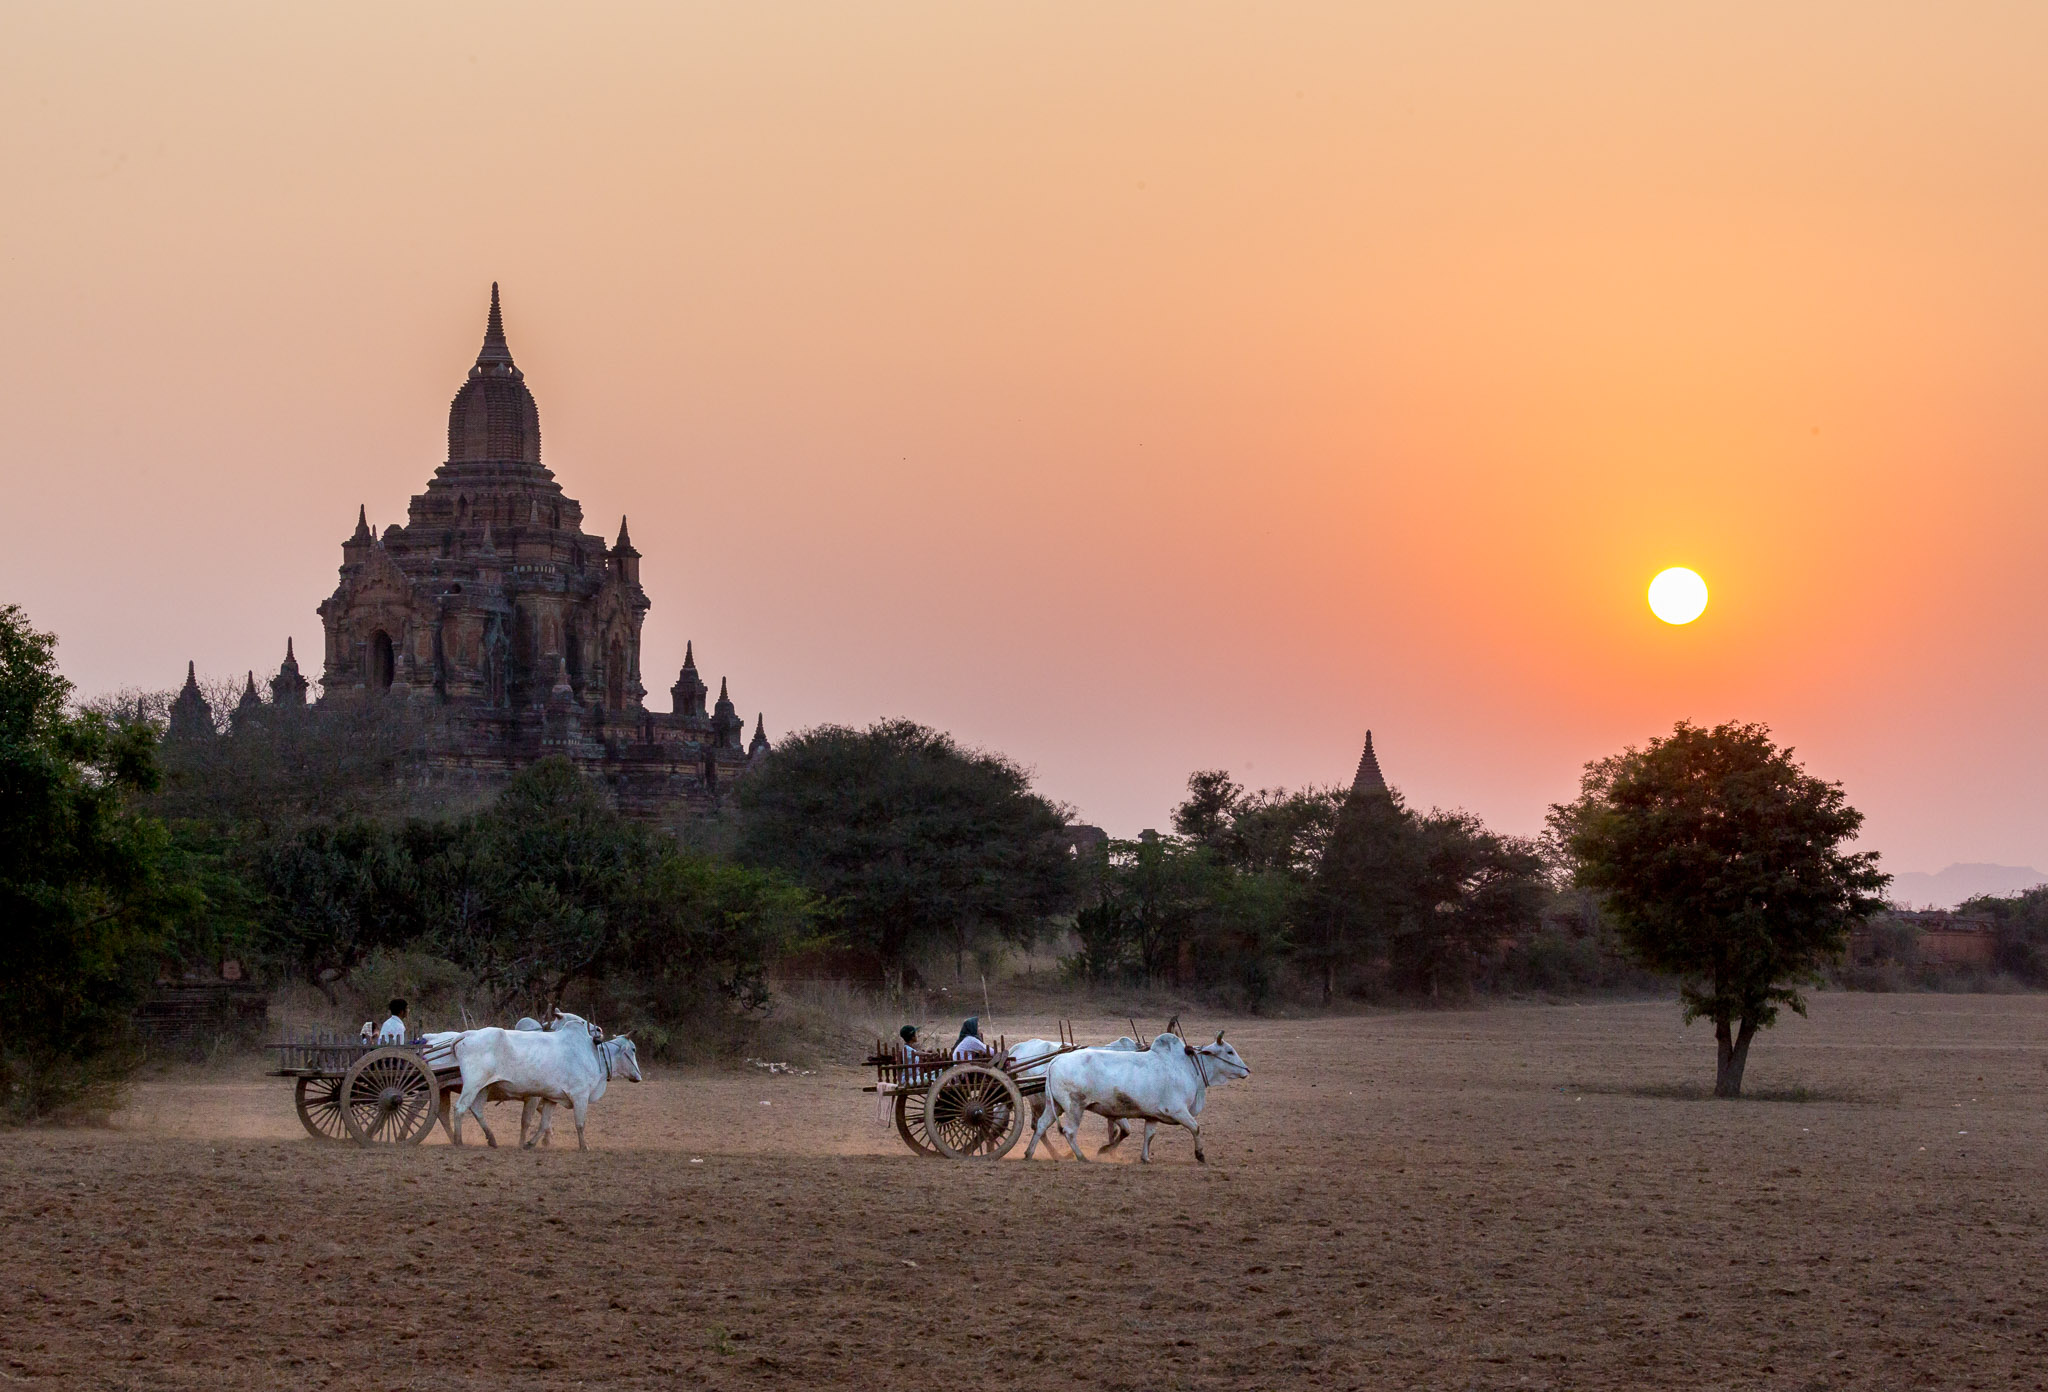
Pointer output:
1517, 1197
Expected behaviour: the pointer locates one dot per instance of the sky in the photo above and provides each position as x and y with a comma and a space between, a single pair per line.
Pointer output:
1131, 389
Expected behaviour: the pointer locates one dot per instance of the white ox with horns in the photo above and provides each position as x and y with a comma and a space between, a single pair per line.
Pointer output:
440, 1052
1166, 1082
1031, 1057
568, 1065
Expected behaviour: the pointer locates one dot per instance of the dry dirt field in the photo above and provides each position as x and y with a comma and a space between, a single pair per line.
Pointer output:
1520, 1197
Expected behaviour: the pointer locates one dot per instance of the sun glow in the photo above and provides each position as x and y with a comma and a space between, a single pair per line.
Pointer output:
1678, 595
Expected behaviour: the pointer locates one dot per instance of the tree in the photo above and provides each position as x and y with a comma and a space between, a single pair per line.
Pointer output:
914, 842
90, 892
548, 887
1363, 889
335, 893
1721, 862
1471, 890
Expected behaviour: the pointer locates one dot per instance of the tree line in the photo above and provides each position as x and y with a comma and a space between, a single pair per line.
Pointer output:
309, 843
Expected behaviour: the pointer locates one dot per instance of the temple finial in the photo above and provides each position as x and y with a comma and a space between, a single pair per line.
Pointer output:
1368, 779
625, 541
362, 523
495, 351
288, 651
689, 656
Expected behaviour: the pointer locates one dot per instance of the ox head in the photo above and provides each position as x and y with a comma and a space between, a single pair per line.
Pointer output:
564, 1020
1221, 1061
625, 1059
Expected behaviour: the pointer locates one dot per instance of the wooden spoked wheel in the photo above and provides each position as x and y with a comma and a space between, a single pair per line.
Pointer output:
910, 1120
320, 1110
390, 1097
975, 1113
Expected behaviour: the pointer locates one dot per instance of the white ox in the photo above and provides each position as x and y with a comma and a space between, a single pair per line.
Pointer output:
1022, 1066
439, 1048
567, 1065
1167, 1082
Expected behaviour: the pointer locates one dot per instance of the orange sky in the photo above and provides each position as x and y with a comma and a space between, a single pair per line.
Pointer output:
1128, 388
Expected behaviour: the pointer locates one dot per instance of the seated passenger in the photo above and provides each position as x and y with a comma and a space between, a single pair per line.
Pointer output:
969, 1044
392, 1031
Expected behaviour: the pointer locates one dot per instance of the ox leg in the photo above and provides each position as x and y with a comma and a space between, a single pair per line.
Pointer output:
1070, 1127
1118, 1133
526, 1105
447, 1124
1183, 1117
468, 1103
1046, 1112
582, 1105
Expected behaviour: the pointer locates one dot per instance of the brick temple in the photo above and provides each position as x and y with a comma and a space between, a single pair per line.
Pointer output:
513, 631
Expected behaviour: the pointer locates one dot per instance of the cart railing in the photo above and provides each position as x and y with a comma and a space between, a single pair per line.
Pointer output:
313, 1049
319, 1050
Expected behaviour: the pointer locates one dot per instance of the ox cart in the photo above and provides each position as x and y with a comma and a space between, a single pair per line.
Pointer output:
347, 1089
964, 1109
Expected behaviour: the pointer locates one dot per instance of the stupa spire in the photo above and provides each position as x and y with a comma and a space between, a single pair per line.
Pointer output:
1368, 779
495, 352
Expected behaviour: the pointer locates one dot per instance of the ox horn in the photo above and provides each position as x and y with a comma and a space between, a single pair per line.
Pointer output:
1219, 1036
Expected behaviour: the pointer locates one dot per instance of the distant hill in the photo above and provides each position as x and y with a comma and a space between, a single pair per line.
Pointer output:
1947, 888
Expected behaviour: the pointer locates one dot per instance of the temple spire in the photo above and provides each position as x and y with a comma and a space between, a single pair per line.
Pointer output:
726, 726
191, 716
288, 687
625, 542
1368, 779
689, 656
362, 523
495, 352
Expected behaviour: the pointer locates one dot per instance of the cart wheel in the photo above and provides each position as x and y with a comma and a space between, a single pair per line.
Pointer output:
975, 1113
390, 1097
910, 1120
320, 1110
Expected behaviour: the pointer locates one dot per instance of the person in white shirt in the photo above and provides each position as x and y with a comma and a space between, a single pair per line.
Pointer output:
969, 1044
392, 1031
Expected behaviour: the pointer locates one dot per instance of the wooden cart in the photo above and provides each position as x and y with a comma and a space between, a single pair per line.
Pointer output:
372, 1094
974, 1109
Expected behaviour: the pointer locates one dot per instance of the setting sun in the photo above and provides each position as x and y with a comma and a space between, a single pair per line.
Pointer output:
1678, 595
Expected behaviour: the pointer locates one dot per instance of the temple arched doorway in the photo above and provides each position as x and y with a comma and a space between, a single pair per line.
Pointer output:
383, 662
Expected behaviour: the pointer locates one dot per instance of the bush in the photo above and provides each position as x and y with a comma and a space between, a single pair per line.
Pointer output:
90, 892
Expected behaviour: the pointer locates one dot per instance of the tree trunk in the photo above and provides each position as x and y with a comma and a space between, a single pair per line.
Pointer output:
1329, 979
1731, 1055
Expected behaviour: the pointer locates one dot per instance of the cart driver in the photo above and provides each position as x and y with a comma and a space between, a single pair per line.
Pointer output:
392, 1031
969, 1044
